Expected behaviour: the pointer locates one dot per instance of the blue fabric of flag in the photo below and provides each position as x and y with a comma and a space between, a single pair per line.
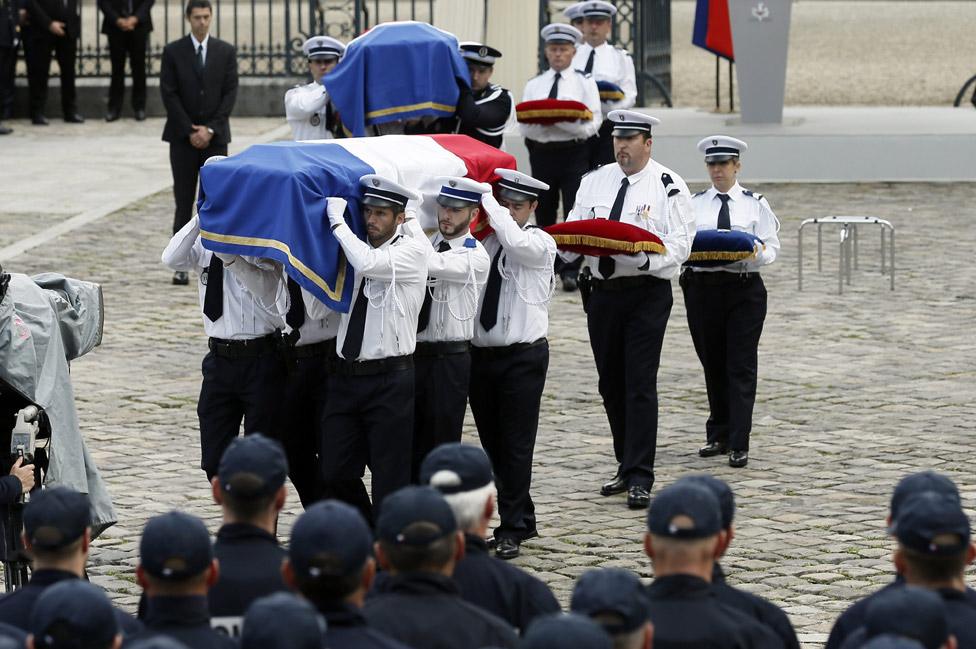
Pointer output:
269, 201
397, 71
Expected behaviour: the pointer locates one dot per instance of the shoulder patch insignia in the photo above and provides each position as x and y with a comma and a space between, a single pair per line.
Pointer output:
674, 192
749, 192
699, 193
583, 73
470, 243
666, 179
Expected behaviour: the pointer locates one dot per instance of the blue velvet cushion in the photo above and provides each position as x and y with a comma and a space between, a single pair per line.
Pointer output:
722, 247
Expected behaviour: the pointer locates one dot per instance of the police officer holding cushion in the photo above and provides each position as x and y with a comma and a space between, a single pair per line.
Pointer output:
484, 109
727, 304
307, 108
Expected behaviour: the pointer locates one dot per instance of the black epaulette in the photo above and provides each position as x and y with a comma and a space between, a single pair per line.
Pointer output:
667, 180
699, 193
584, 73
749, 192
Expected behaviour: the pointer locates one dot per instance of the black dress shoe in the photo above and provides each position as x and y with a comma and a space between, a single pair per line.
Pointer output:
181, 278
616, 486
112, 115
738, 459
74, 118
712, 449
140, 115
5, 130
507, 548
638, 497
39, 120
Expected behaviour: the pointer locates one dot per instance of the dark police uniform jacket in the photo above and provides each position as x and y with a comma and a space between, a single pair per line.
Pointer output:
425, 611
192, 98
182, 618
15, 608
250, 568
346, 628
687, 613
484, 114
755, 607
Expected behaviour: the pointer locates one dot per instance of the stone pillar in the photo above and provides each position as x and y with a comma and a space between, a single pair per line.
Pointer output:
761, 34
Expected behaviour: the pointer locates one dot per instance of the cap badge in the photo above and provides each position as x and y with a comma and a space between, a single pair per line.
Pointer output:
452, 183
376, 182
483, 51
714, 142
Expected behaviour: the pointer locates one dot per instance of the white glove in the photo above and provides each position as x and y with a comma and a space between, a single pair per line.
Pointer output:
412, 210
491, 206
336, 209
635, 260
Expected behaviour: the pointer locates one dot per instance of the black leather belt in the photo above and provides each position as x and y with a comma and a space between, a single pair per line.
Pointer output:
377, 366
443, 348
624, 283
324, 348
508, 350
717, 278
553, 146
250, 348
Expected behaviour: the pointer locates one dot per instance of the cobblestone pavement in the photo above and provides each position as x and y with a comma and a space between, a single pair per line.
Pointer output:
854, 391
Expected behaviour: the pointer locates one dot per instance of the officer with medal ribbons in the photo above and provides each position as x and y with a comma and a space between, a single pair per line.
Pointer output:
726, 305
485, 109
307, 108
510, 352
607, 64
630, 298
369, 413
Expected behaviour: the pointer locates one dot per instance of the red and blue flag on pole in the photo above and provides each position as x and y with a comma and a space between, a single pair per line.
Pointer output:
713, 29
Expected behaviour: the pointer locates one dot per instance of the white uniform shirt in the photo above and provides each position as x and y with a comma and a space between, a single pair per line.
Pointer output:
243, 316
456, 279
748, 212
396, 278
573, 85
646, 205
305, 110
614, 65
197, 44
527, 282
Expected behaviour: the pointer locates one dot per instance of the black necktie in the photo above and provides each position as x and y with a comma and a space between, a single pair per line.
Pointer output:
200, 58
589, 62
724, 220
493, 290
353, 343
554, 91
295, 317
213, 299
608, 265
424, 319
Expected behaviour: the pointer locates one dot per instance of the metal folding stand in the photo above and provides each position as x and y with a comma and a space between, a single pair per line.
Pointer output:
848, 260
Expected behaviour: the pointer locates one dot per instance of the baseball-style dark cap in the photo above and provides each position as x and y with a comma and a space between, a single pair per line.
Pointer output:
73, 614
932, 523
684, 510
175, 546
9, 642
56, 517
282, 621
891, 641
616, 595
561, 630
156, 642
415, 516
908, 611
331, 539
252, 467
917, 483
455, 468
721, 490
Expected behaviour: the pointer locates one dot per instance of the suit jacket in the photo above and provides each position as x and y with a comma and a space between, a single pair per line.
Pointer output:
112, 10
44, 12
9, 18
190, 97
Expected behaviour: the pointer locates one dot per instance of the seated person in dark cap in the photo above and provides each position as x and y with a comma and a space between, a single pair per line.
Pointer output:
908, 612
330, 564
558, 631
176, 569
10, 632
73, 614
419, 544
57, 535
615, 599
910, 485
934, 548
282, 621
888, 641
754, 606
462, 473
250, 489
683, 540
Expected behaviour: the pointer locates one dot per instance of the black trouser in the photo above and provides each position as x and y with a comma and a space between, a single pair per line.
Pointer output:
43, 43
626, 329
234, 389
368, 422
303, 409
441, 398
185, 160
601, 147
8, 61
506, 390
725, 315
560, 165
133, 45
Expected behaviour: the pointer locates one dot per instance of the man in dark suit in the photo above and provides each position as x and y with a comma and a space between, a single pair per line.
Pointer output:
198, 81
9, 41
127, 24
55, 27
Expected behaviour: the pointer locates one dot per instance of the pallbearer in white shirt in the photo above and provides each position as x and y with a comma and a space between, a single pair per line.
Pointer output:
369, 414
597, 57
727, 305
510, 353
457, 267
630, 295
307, 108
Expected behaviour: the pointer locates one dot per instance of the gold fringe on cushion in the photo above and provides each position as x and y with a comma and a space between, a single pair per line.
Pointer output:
611, 95
524, 115
628, 247
718, 255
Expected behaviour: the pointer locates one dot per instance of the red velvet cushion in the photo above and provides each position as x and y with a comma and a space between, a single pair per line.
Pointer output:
550, 111
601, 237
